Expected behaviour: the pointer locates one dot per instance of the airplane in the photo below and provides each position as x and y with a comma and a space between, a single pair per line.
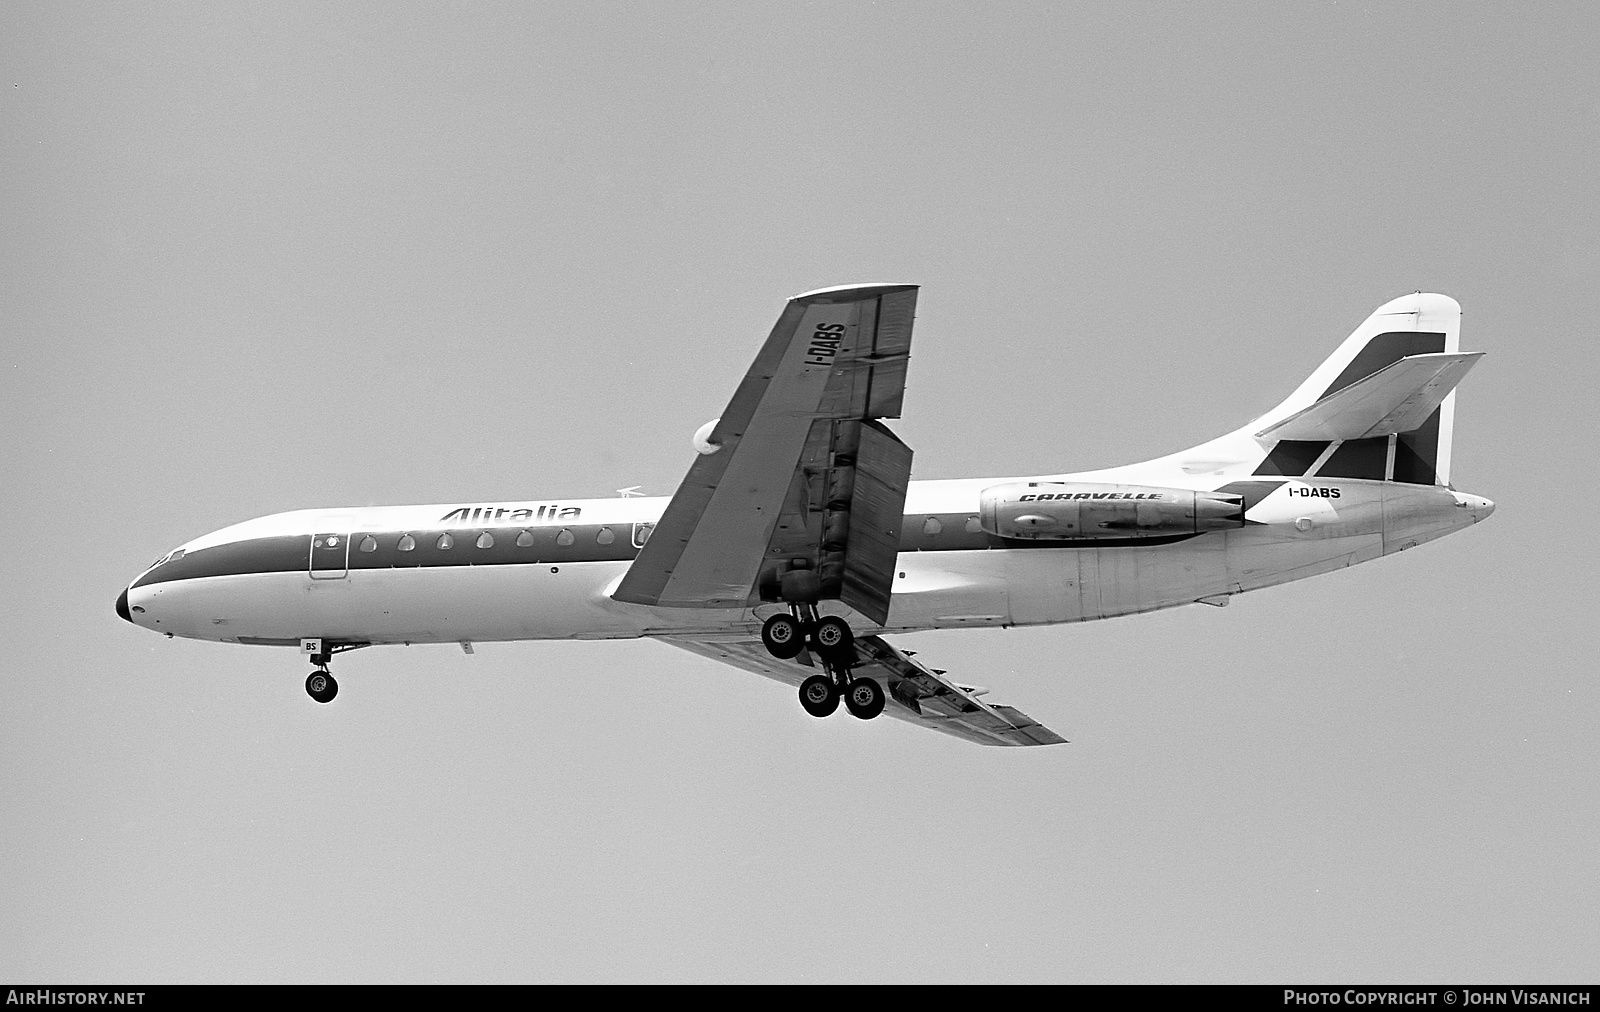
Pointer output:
797, 540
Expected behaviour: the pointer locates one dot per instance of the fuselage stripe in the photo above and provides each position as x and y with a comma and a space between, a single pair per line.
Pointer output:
542, 546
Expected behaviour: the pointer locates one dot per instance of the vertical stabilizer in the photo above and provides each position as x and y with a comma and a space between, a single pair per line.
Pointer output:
1419, 324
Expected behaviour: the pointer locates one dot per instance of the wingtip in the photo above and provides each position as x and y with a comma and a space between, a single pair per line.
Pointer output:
850, 293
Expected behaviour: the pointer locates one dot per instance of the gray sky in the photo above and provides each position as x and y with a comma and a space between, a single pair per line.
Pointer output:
265, 258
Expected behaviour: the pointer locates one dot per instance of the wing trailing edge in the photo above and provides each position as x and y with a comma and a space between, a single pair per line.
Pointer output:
917, 694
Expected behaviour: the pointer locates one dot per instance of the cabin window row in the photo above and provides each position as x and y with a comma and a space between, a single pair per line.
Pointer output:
445, 542
932, 525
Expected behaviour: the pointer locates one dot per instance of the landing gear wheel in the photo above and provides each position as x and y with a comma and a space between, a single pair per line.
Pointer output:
834, 638
819, 697
321, 686
783, 637
864, 698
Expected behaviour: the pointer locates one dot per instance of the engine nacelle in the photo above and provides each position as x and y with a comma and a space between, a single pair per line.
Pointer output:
1070, 510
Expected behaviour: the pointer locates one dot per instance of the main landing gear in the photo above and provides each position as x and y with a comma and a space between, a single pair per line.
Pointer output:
830, 640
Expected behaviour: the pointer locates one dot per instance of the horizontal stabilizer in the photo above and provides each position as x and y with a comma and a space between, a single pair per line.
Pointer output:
1396, 398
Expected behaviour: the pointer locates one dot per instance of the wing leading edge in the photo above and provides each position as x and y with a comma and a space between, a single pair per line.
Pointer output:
803, 476
917, 694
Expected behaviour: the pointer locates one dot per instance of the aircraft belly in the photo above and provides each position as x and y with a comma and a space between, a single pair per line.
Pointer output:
472, 603
1415, 514
949, 590
1044, 586
1125, 581
487, 603
1041, 586
1266, 561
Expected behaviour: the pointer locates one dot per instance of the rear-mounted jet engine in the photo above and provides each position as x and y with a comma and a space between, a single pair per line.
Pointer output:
1069, 510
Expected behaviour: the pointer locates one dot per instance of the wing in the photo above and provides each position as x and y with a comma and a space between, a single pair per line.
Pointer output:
917, 694
802, 476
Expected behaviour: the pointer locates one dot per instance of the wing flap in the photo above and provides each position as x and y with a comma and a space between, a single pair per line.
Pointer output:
1397, 398
877, 510
917, 694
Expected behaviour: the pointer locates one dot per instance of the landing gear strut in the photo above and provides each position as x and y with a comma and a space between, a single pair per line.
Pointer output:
834, 644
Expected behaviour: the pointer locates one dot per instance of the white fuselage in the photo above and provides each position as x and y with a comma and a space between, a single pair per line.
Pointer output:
547, 568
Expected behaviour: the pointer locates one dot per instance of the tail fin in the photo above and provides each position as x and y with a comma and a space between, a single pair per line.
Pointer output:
1399, 368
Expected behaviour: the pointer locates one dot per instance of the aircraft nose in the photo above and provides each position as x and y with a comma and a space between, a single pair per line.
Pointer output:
122, 605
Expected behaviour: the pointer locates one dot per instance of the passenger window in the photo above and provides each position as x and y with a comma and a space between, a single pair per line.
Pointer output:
486, 540
605, 537
973, 526
407, 542
525, 539
565, 538
932, 526
446, 542
369, 544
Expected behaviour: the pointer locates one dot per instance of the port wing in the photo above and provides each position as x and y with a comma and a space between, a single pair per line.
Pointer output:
917, 694
798, 473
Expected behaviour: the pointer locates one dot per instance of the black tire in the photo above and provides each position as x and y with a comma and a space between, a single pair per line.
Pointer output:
321, 686
864, 698
818, 696
783, 637
834, 639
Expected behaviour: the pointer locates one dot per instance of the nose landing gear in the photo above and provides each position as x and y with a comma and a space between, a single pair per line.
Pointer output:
320, 685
